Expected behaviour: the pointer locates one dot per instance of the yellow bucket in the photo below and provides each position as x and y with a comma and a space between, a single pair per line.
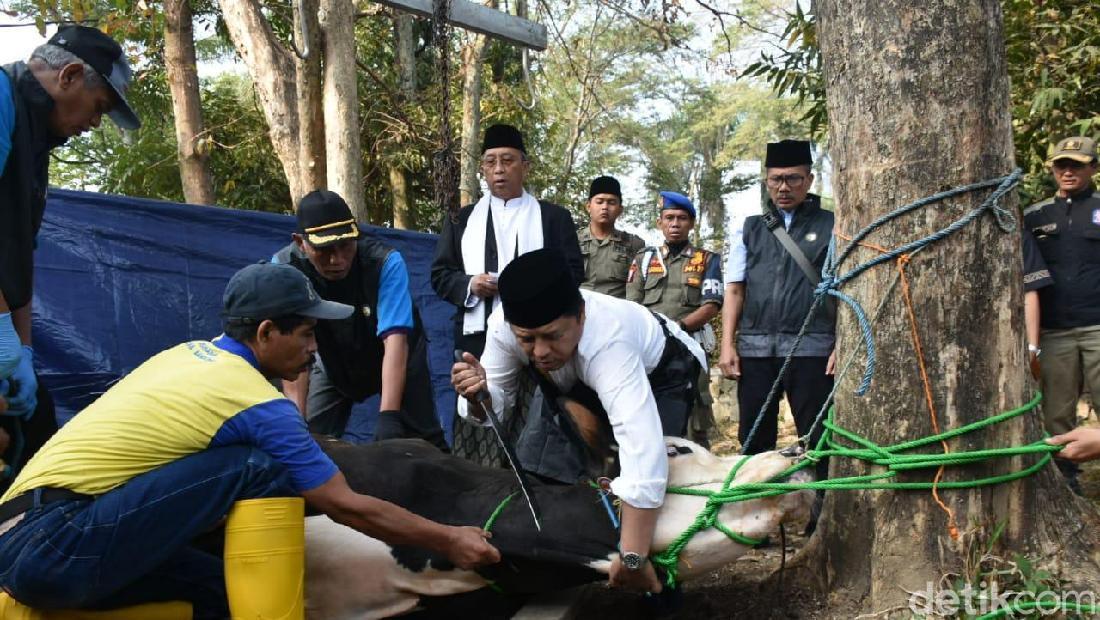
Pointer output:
11, 610
265, 559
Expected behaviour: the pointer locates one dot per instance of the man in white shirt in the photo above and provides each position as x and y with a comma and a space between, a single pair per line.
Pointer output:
640, 365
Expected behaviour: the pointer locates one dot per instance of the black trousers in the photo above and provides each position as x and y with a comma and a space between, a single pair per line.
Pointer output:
806, 386
35, 432
329, 408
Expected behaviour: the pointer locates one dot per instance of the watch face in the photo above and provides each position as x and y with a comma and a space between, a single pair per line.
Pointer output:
632, 561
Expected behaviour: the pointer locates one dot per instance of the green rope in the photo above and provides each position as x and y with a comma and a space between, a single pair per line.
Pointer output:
866, 450
496, 513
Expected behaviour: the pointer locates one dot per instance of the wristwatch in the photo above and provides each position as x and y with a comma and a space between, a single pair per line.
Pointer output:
633, 561
1034, 349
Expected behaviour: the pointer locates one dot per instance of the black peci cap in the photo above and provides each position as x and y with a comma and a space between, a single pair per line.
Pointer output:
537, 288
267, 291
324, 218
498, 136
788, 154
605, 185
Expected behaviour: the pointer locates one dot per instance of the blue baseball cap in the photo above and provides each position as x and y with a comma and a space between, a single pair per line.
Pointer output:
267, 291
676, 200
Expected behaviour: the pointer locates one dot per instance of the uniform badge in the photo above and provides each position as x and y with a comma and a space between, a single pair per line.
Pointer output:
695, 281
633, 271
366, 311
811, 237
655, 267
1096, 216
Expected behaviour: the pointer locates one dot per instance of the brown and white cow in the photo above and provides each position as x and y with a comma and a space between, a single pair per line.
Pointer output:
352, 576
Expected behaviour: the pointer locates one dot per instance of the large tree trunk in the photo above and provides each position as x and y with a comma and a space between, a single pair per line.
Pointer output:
271, 67
345, 159
473, 56
405, 46
918, 102
183, 81
308, 79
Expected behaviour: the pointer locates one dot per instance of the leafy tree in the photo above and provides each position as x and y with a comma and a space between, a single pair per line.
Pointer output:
1053, 53
143, 163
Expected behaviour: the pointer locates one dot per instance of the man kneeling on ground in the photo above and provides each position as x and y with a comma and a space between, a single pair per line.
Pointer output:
104, 515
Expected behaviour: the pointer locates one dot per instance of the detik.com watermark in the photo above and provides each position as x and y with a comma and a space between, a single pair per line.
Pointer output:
988, 598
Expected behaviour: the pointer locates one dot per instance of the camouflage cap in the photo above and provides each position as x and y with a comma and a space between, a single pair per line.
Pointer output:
1078, 148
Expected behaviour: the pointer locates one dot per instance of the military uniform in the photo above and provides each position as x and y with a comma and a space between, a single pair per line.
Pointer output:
675, 285
607, 261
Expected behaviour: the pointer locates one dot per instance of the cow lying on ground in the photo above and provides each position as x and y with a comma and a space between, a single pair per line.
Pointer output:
352, 576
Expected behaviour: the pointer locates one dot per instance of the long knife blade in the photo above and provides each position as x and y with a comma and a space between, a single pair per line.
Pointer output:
509, 451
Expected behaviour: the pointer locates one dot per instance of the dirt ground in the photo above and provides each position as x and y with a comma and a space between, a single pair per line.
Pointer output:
746, 590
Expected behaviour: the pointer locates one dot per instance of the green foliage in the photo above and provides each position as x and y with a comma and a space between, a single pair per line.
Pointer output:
1053, 61
795, 69
1053, 56
143, 163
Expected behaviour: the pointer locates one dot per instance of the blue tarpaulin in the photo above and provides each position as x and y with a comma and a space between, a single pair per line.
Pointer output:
119, 279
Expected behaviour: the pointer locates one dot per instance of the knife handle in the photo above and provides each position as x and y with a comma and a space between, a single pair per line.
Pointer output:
482, 395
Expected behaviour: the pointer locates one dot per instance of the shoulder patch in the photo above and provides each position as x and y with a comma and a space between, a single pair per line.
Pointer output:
1037, 206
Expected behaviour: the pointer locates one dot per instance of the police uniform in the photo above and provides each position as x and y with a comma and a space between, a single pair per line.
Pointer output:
1067, 232
607, 261
675, 284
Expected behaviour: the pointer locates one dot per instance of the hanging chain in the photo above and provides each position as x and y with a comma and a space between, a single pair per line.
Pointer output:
445, 167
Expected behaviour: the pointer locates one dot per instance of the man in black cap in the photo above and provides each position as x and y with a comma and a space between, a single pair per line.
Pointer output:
607, 251
484, 237
773, 268
1066, 227
105, 514
639, 366
63, 90
380, 348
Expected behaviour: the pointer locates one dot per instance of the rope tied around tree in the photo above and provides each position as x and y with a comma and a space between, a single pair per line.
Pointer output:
890, 457
831, 282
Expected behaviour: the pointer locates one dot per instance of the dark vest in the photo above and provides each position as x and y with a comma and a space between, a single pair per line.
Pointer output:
1067, 231
23, 183
777, 294
350, 348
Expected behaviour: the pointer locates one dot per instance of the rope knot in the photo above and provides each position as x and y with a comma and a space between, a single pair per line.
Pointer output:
828, 283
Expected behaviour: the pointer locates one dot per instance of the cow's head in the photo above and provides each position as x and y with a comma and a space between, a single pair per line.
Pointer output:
690, 465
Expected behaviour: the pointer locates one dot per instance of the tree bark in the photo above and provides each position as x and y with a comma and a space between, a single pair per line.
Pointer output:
271, 67
405, 46
473, 57
918, 102
341, 103
183, 82
308, 80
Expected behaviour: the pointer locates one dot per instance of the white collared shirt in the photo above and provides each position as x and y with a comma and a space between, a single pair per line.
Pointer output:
621, 343
738, 257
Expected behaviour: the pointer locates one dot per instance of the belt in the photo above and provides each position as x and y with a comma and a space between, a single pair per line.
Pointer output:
22, 503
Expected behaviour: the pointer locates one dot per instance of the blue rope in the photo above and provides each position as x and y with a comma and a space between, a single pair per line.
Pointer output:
605, 497
830, 282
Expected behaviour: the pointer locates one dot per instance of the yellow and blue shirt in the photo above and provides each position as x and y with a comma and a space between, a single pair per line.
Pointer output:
184, 400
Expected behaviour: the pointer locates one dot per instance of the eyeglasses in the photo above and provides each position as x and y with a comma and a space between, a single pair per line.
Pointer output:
793, 181
490, 163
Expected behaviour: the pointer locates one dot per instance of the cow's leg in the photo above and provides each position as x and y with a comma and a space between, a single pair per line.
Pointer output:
352, 576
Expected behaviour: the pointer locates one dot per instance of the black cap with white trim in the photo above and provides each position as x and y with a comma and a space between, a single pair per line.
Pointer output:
103, 54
